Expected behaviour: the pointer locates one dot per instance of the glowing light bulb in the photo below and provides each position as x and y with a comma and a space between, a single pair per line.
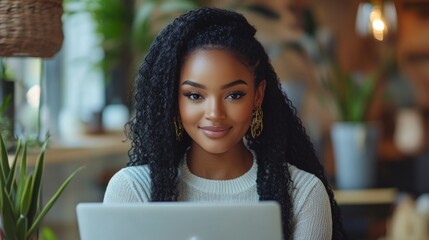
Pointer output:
378, 25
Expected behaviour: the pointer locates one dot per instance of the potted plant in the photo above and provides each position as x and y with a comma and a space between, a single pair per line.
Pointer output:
354, 139
21, 208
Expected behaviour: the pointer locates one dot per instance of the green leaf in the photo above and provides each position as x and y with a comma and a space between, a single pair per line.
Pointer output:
36, 184
10, 184
51, 202
21, 179
350, 97
4, 163
9, 218
26, 196
21, 227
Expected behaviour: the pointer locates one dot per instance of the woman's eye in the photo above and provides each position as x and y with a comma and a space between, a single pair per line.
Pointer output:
193, 96
235, 95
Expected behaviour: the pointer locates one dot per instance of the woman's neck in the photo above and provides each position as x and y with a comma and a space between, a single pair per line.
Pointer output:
220, 166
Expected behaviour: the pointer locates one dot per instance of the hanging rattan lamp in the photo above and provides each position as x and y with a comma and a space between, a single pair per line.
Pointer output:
30, 28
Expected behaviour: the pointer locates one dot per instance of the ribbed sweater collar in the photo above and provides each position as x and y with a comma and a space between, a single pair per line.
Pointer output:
230, 186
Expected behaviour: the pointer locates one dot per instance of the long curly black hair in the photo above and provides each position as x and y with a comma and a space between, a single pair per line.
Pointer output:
152, 130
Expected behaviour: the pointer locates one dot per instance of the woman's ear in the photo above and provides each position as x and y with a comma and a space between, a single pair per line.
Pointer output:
260, 92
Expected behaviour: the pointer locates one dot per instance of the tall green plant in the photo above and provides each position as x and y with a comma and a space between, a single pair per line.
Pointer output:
20, 193
351, 97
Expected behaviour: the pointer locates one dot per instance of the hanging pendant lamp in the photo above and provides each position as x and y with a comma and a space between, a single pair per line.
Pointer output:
377, 18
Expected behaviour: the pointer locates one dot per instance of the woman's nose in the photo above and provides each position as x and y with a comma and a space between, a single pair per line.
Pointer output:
215, 110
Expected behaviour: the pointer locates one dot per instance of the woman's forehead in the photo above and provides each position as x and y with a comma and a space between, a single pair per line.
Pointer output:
214, 66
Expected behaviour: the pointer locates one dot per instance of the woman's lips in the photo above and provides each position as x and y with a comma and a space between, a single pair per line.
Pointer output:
214, 132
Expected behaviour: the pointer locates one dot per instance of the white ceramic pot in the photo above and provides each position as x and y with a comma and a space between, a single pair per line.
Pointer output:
355, 152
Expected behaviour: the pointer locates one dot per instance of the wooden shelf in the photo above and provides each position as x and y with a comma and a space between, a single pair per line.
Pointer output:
366, 196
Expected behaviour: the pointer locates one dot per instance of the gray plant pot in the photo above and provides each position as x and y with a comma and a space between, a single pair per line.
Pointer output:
355, 153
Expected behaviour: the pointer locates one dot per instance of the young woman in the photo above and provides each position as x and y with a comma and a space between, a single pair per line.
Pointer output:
212, 124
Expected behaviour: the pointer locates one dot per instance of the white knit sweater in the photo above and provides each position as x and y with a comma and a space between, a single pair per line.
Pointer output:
311, 207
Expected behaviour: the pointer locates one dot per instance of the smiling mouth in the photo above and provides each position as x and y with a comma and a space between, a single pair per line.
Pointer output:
215, 132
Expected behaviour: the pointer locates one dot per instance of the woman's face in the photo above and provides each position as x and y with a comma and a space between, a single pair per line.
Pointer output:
217, 95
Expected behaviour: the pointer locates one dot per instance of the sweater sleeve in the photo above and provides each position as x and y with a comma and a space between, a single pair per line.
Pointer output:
312, 209
129, 185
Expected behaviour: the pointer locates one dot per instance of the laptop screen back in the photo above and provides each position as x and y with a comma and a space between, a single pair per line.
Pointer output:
180, 221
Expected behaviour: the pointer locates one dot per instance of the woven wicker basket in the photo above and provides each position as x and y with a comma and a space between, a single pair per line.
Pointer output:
30, 27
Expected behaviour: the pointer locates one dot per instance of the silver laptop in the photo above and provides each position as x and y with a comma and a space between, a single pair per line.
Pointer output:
180, 221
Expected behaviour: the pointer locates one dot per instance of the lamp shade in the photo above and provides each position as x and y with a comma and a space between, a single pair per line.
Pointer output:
30, 28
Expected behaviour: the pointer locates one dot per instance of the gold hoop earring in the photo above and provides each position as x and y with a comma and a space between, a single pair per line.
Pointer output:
178, 127
257, 125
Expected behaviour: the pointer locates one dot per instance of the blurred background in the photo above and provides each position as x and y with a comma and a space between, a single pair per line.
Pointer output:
357, 73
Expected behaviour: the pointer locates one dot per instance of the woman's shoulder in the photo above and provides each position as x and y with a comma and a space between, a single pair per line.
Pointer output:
129, 184
133, 173
311, 206
305, 185
141, 169
302, 178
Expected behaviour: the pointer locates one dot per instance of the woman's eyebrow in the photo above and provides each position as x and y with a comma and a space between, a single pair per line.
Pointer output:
234, 83
193, 84
228, 85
